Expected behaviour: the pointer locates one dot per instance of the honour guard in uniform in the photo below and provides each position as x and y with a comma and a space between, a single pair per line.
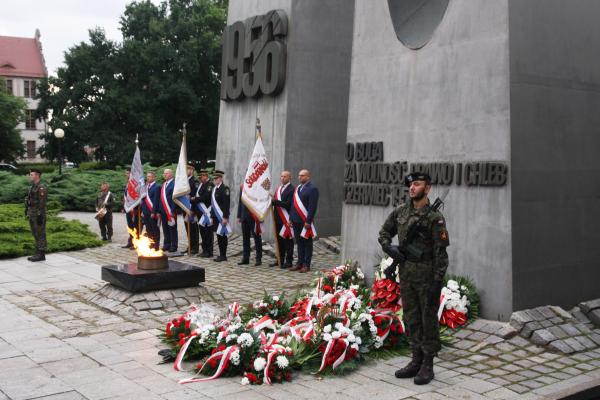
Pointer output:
220, 203
35, 211
201, 200
104, 209
282, 201
421, 274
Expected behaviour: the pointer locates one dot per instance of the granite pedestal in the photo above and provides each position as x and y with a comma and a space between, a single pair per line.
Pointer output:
129, 277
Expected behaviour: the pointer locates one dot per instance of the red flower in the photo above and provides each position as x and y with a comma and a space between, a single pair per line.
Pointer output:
181, 341
181, 335
334, 300
377, 320
199, 365
221, 347
251, 377
187, 324
327, 288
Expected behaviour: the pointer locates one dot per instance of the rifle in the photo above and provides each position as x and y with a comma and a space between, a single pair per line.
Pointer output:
407, 248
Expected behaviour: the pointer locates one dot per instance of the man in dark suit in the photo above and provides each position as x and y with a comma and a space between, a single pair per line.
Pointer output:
150, 206
304, 208
249, 228
283, 202
220, 203
167, 213
193, 225
201, 203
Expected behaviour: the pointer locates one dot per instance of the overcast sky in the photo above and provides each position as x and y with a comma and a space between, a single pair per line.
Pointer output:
62, 23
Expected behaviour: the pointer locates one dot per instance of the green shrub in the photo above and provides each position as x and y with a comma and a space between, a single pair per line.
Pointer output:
95, 165
23, 169
16, 239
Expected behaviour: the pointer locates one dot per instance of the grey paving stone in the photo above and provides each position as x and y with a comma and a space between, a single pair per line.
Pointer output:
529, 328
535, 314
546, 311
466, 370
501, 393
500, 381
586, 342
570, 329
595, 337
542, 337
583, 328
519, 318
478, 336
558, 332
519, 341
507, 332
497, 372
532, 384
587, 306
507, 357
518, 388
542, 369
561, 312
547, 323
512, 367
572, 342
478, 385
562, 346
531, 374
478, 358
464, 344
481, 375
493, 339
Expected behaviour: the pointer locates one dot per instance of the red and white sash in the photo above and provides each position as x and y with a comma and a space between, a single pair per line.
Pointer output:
286, 231
165, 203
147, 199
311, 231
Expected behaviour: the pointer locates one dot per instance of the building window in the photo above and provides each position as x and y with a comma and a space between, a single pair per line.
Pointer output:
31, 149
29, 89
30, 120
9, 86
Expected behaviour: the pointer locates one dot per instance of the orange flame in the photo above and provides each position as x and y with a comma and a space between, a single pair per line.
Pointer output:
144, 245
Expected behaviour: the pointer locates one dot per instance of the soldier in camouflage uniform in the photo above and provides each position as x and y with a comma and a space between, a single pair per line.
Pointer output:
420, 279
35, 211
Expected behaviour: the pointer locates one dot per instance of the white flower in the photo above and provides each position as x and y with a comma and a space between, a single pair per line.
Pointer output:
336, 335
245, 340
378, 342
231, 337
351, 337
359, 273
245, 381
235, 358
327, 328
452, 285
275, 298
282, 362
354, 346
353, 315
339, 326
259, 364
326, 337
358, 340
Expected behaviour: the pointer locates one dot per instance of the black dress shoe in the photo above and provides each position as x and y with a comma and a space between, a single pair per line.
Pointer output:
37, 257
275, 264
244, 262
286, 266
257, 263
220, 258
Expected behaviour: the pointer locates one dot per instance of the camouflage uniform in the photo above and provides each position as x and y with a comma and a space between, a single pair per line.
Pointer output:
35, 210
105, 223
417, 277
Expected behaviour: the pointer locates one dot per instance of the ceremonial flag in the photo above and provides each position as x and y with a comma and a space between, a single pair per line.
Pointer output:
182, 186
136, 188
257, 182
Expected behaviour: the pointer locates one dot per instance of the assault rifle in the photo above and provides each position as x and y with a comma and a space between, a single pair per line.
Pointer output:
407, 249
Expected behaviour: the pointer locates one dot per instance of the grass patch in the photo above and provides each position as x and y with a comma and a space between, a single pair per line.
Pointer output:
16, 239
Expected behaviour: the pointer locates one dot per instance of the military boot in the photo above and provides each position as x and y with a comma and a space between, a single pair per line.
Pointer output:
412, 368
37, 257
425, 374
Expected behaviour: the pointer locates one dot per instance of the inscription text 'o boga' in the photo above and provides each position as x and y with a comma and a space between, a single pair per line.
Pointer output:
254, 57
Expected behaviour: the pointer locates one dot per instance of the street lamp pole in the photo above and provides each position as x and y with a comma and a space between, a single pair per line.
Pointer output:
59, 134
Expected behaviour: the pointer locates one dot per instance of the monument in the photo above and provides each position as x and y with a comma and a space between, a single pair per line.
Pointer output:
496, 100
287, 62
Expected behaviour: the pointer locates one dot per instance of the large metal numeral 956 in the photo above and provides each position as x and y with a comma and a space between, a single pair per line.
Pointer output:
254, 57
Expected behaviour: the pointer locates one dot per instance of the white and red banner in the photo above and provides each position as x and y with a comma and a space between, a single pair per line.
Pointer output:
181, 190
257, 182
136, 188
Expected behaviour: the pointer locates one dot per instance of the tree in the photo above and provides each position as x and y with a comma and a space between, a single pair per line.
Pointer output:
12, 112
164, 72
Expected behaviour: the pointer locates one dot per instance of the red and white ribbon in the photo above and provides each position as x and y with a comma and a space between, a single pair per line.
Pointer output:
286, 230
443, 301
264, 323
299, 206
165, 203
225, 356
329, 349
273, 352
182, 351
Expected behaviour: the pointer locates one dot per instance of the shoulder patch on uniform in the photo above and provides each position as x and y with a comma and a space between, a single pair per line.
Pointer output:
440, 222
42, 191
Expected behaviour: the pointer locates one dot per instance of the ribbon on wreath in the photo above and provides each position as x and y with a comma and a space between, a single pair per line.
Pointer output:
182, 351
225, 356
329, 348
453, 318
272, 351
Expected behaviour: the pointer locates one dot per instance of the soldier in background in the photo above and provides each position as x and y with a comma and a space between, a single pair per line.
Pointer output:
201, 203
106, 201
35, 211
250, 227
420, 276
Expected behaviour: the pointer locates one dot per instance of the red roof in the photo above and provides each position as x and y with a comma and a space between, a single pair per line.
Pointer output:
21, 57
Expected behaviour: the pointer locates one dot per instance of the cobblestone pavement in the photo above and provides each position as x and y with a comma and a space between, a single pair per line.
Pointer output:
56, 342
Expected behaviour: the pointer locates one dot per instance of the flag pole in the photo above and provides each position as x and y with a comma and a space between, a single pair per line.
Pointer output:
185, 216
139, 211
275, 241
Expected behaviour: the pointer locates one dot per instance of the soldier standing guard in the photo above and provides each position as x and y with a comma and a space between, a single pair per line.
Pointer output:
35, 211
421, 273
104, 208
220, 203
201, 204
